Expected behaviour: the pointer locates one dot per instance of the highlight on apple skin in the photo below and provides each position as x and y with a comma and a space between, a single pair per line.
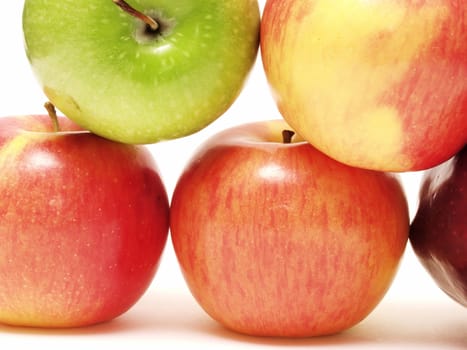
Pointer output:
274, 238
113, 75
373, 84
438, 233
83, 224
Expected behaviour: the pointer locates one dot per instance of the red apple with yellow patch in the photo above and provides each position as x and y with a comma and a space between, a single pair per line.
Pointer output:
374, 84
83, 223
277, 239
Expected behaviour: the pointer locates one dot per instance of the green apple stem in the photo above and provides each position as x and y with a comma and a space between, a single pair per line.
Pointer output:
287, 136
151, 22
53, 115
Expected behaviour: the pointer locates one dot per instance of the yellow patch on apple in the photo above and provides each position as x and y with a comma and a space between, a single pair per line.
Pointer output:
13, 148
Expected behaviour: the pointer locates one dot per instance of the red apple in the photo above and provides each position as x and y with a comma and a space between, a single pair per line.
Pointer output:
83, 223
438, 232
375, 84
277, 239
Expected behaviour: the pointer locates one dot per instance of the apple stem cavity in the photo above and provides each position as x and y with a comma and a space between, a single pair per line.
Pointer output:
152, 24
53, 115
287, 136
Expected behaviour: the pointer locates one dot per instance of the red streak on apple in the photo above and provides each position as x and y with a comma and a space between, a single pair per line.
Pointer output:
442, 61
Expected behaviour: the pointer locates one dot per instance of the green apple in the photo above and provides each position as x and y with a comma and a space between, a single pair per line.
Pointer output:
110, 72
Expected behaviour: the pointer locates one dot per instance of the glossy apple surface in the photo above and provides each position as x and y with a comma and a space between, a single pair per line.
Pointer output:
83, 223
106, 71
374, 84
277, 239
438, 232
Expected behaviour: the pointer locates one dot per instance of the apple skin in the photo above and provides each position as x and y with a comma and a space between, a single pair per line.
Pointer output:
278, 239
83, 224
374, 84
97, 68
438, 232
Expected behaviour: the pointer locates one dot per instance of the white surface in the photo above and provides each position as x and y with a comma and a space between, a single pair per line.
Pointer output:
415, 314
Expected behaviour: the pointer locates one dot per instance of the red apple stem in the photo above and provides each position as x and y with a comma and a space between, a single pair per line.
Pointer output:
151, 22
287, 136
53, 115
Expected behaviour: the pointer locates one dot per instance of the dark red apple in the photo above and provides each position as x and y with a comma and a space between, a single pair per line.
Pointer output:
438, 232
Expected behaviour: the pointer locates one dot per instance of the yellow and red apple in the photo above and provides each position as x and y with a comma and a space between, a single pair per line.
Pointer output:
277, 239
375, 84
83, 223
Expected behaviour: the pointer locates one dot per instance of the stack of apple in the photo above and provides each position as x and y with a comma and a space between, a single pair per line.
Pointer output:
302, 235
295, 227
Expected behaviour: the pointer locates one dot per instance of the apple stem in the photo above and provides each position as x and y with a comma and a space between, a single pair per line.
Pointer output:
53, 115
151, 22
287, 136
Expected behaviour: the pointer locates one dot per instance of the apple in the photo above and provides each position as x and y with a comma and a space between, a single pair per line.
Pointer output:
142, 72
83, 224
274, 238
438, 232
374, 84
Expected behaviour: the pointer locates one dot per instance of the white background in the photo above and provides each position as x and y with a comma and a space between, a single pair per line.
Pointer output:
415, 314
